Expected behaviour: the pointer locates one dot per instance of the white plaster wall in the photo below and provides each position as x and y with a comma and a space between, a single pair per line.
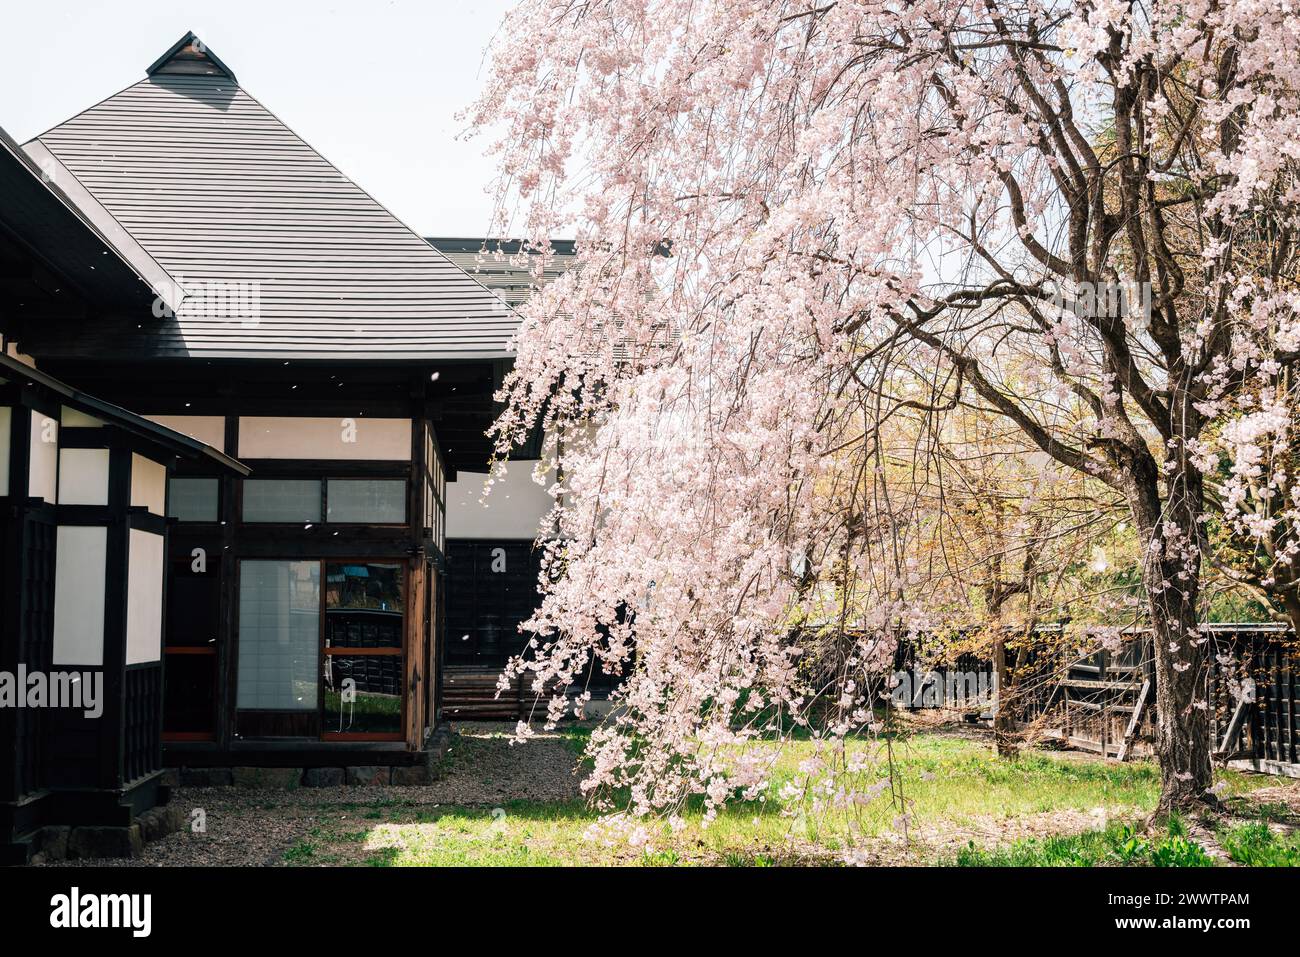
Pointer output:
43, 471
73, 419
144, 583
308, 437
208, 429
148, 484
513, 509
83, 477
80, 559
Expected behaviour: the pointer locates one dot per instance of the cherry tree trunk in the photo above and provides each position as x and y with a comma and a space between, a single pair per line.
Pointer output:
1290, 602
1171, 574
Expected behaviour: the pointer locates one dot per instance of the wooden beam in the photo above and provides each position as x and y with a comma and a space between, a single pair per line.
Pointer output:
1089, 685
1234, 727
1131, 730
1266, 766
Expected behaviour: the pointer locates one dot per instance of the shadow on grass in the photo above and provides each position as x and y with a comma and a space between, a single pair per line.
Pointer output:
384, 857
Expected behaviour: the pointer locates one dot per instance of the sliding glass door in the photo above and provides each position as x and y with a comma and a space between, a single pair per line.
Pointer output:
365, 605
279, 635
320, 649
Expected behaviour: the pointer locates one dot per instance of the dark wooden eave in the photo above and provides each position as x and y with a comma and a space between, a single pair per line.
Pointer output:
53, 257
164, 439
457, 397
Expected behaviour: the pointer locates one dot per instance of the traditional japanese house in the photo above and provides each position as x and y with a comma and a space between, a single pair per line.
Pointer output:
299, 328
83, 539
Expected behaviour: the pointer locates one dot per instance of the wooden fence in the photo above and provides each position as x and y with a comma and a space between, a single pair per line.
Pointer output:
1105, 701
1256, 705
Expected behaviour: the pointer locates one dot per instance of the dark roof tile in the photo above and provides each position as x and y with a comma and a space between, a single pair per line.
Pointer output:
225, 197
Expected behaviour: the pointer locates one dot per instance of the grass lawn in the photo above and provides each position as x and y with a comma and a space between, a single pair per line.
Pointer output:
963, 806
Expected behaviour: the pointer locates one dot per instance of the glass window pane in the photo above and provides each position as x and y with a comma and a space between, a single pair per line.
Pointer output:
281, 500
363, 605
363, 694
192, 499
279, 635
373, 585
376, 501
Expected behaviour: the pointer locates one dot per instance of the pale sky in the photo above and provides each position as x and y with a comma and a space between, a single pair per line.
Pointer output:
373, 85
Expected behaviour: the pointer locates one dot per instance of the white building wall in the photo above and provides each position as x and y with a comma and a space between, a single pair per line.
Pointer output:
514, 508
73, 419
144, 581
43, 470
83, 476
208, 429
309, 437
80, 561
148, 484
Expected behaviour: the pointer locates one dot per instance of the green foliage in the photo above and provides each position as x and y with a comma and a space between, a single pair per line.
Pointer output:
668, 858
301, 853
1180, 852
742, 859
365, 704
1228, 603
1275, 811
1232, 606
1129, 847
1256, 845
576, 737
1117, 845
1053, 852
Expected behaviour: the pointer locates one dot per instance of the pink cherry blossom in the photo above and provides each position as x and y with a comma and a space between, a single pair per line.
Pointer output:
809, 235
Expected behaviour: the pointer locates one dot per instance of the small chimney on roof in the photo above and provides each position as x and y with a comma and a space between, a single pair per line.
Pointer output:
189, 56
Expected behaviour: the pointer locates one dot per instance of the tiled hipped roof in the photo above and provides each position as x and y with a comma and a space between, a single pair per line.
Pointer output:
217, 190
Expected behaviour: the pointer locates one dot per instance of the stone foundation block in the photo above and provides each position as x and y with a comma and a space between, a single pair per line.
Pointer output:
370, 776
415, 774
323, 777
267, 778
90, 842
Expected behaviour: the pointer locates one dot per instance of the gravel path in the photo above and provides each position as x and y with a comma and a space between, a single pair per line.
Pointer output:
258, 827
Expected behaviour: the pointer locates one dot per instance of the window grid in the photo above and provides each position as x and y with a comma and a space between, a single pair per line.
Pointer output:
194, 499
435, 490
315, 494
306, 625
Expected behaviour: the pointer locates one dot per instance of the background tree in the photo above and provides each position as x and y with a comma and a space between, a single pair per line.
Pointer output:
1013, 542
